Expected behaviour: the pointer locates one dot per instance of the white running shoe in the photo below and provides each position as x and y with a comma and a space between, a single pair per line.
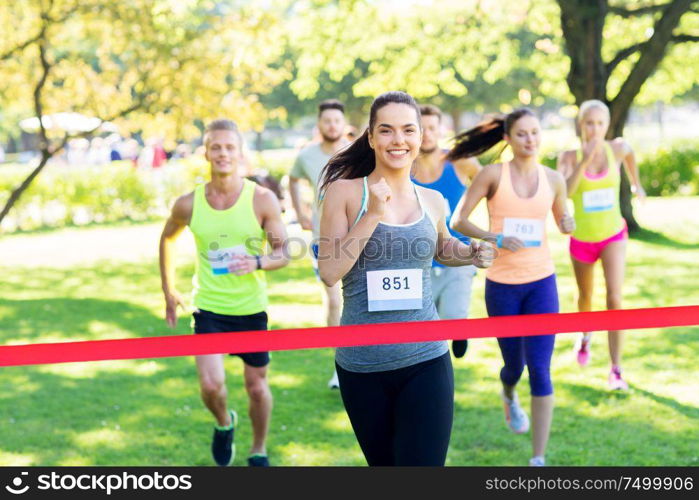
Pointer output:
537, 462
515, 417
334, 382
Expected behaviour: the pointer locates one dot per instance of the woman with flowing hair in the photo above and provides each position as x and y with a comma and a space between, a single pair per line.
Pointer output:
520, 194
378, 234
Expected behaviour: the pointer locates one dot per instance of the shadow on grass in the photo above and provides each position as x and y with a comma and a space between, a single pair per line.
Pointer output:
686, 410
656, 238
136, 279
104, 278
590, 428
593, 396
148, 412
621, 438
90, 319
679, 344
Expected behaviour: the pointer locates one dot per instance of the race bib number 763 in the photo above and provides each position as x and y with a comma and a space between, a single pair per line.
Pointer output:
530, 231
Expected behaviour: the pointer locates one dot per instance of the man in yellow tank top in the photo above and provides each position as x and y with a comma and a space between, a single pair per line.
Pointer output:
231, 219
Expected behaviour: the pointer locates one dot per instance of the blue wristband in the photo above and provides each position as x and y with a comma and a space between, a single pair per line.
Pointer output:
498, 240
259, 261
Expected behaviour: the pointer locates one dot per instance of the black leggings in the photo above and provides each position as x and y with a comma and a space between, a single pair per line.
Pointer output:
404, 416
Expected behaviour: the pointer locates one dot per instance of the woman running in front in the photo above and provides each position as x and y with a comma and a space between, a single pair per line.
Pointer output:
593, 177
379, 233
520, 194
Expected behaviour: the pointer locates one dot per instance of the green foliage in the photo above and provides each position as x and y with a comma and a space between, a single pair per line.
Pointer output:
674, 171
461, 56
277, 162
476, 56
140, 63
79, 195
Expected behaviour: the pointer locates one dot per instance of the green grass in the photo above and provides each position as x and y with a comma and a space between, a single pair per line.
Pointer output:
148, 412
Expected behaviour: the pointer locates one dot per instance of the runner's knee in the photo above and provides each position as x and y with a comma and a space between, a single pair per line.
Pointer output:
212, 386
540, 381
614, 300
257, 388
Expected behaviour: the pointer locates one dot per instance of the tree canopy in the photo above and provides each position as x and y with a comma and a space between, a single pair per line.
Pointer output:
157, 66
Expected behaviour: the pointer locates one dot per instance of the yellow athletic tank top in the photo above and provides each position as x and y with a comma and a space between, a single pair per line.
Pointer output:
596, 202
219, 234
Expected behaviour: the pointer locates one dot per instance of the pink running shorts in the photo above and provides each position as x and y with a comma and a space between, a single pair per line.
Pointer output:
589, 252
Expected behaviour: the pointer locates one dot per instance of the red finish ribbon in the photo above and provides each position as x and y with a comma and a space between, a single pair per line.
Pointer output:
343, 336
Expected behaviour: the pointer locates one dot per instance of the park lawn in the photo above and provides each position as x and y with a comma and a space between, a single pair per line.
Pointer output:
148, 412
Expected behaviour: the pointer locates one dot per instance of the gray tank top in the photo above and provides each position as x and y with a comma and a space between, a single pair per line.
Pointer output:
402, 254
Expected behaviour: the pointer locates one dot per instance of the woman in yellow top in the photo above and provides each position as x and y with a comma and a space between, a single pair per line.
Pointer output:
593, 177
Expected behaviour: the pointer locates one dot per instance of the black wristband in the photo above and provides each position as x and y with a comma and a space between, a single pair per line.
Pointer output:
259, 261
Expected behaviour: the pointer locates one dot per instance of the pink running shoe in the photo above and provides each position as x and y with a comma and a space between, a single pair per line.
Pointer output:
616, 383
582, 350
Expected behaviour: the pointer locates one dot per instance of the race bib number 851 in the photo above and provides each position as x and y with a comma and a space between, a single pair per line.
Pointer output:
394, 289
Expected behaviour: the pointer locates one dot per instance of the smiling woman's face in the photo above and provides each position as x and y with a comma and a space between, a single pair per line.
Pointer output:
396, 136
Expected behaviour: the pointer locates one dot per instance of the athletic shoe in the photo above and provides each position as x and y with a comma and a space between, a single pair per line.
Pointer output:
222, 446
616, 383
537, 462
334, 382
258, 460
515, 417
458, 347
582, 350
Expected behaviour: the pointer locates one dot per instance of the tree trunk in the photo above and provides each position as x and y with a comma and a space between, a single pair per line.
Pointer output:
456, 119
582, 22
11, 144
625, 188
652, 54
45, 155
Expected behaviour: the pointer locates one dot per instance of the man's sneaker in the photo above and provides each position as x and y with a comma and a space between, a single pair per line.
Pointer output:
222, 446
459, 347
258, 460
334, 382
515, 417
582, 351
616, 383
537, 461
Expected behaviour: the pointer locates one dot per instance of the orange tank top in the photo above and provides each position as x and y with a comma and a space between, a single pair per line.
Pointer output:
524, 218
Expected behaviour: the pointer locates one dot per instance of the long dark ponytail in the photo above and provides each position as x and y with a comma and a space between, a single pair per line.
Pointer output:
485, 135
358, 159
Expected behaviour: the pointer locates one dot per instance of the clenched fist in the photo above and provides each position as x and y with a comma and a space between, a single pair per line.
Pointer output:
484, 253
591, 147
379, 194
567, 224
